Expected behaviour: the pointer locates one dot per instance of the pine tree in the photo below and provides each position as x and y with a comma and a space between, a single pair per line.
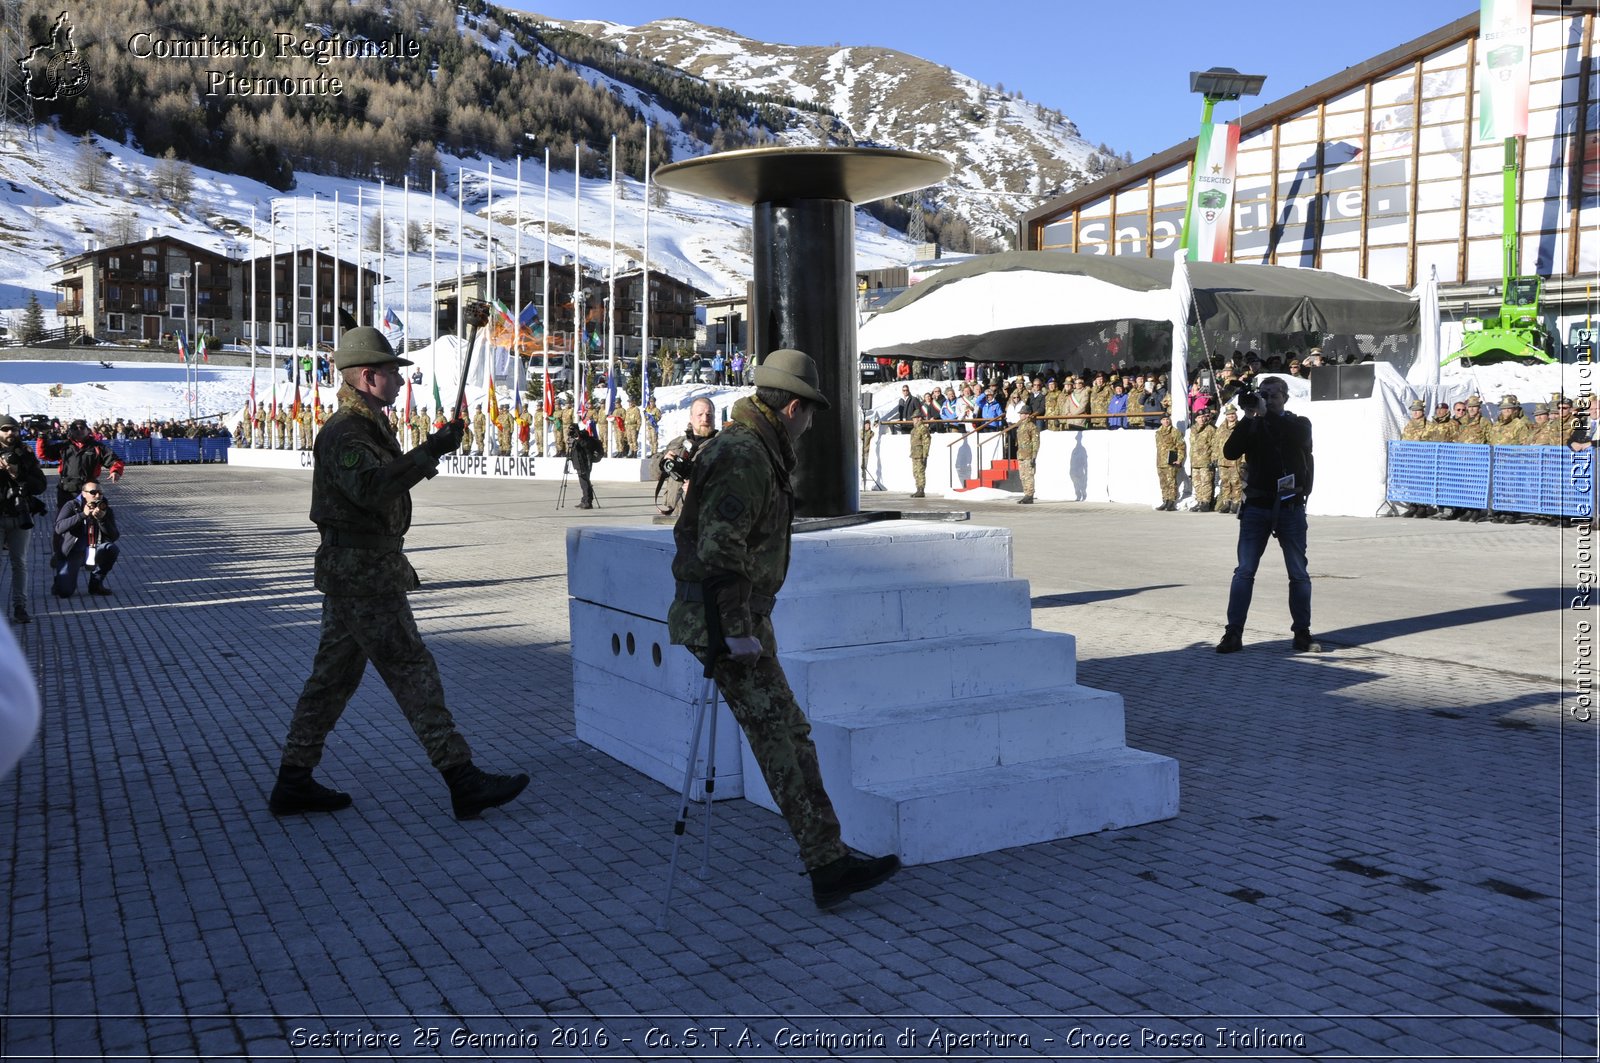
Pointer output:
32, 327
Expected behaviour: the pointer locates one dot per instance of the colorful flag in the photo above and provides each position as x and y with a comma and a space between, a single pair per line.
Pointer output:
392, 322
438, 403
294, 410
252, 395
410, 409
1210, 222
611, 391
183, 348
205, 353
316, 401
494, 406
504, 312
529, 315
549, 390
1505, 50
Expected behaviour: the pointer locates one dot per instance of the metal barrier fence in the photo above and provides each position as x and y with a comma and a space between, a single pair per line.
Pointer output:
1553, 481
170, 451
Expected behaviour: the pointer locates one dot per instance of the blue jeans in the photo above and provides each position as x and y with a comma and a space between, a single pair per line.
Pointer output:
1256, 524
66, 581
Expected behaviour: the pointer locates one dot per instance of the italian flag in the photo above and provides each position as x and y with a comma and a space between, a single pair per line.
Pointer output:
1505, 51
1211, 209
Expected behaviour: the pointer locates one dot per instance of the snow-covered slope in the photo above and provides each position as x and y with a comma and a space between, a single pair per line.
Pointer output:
1007, 152
46, 215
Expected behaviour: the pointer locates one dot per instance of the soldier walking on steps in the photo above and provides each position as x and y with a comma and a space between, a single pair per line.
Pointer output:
732, 555
361, 503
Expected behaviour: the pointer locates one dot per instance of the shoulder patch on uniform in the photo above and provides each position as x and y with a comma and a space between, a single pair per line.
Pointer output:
731, 507
350, 458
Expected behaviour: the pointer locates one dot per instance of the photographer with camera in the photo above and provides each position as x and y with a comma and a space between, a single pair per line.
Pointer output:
676, 460
1276, 447
86, 537
21, 482
82, 457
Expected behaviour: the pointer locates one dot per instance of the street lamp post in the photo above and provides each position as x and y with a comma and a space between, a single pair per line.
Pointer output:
1215, 85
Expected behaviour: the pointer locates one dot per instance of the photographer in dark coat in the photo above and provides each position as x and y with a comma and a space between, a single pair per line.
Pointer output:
86, 537
361, 503
583, 450
1276, 448
21, 482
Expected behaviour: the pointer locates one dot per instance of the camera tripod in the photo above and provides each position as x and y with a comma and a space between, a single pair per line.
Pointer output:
561, 493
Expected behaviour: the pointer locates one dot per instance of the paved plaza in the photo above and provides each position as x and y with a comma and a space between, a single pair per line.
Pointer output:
1386, 851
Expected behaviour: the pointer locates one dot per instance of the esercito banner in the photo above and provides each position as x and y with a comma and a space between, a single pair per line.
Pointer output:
1211, 211
1505, 57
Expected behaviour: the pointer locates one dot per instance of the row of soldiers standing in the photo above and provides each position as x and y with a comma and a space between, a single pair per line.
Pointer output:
1553, 426
280, 429
1209, 470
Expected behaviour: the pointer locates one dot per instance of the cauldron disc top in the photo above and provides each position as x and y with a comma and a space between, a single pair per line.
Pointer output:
775, 175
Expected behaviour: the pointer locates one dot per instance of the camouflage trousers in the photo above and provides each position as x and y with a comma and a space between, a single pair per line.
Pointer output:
1168, 474
1205, 483
382, 630
1027, 467
919, 469
779, 734
1231, 483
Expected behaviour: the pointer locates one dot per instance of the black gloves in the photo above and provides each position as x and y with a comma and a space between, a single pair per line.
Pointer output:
446, 440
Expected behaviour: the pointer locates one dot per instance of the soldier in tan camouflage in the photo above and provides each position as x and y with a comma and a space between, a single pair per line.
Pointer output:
1099, 401
921, 443
1203, 453
1027, 453
1171, 451
475, 442
361, 503
1415, 430
631, 423
649, 423
503, 432
866, 446
1055, 407
732, 555
1230, 471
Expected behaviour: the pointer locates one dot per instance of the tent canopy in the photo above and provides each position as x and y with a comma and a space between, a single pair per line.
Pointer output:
1025, 306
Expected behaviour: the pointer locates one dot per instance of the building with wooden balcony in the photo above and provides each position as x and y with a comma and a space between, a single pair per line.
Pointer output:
148, 290
305, 298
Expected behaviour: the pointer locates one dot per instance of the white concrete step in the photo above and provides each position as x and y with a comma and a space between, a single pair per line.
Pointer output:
943, 817
931, 671
890, 743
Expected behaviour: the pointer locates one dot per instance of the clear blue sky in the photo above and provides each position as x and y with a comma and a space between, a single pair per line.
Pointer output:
1118, 68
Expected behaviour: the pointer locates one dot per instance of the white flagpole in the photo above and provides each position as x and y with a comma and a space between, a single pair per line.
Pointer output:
405, 266
272, 281
611, 300
461, 293
519, 376
381, 280
544, 306
338, 293
294, 284
255, 324
316, 268
433, 272
644, 287
361, 242
577, 273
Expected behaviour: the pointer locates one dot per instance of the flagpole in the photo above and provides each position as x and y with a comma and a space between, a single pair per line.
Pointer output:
255, 328
519, 376
611, 309
381, 280
461, 280
361, 242
644, 290
577, 276
433, 270
405, 266
272, 279
338, 221
316, 270
294, 284
547, 388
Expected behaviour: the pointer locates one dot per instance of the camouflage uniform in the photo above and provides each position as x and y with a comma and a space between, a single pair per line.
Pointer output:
1442, 429
1169, 446
1055, 406
305, 428
1099, 403
921, 442
1230, 471
1027, 453
503, 432
1203, 451
1512, 431
649, 419
361, 503
477, 432
559, 420
1472, 428
240, 439
734, 533
631, 422
866, 446
1415, 428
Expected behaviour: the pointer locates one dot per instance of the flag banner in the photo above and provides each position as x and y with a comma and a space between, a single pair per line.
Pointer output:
392, 323
504, 312
549, 391
205, 351
183, 348
494, 406
529, 315
316, 400
294, 411
611, 391
1505, 55
1211, 210
1183, 297
252, 406
411, 410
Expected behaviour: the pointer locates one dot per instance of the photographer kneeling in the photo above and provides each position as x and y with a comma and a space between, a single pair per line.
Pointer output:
86, 537
1276, 447
676, 460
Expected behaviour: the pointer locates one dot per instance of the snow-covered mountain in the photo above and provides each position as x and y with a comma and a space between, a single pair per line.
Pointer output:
47, 214
1008, 153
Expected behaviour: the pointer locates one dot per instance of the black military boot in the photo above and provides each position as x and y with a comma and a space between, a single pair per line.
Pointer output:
472, 790
834, 882
297, 792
